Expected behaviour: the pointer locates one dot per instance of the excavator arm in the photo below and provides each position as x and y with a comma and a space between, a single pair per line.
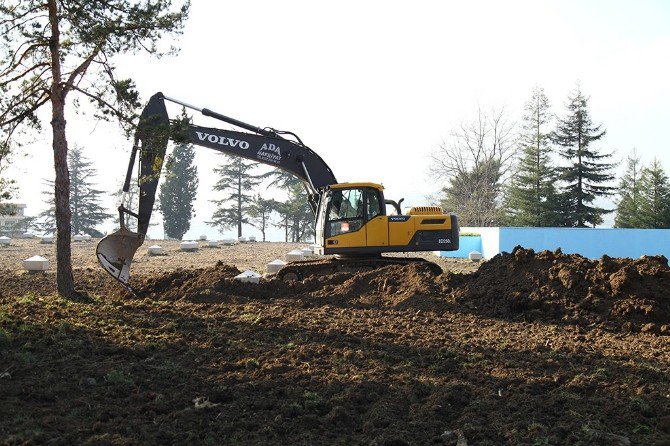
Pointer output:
265, 145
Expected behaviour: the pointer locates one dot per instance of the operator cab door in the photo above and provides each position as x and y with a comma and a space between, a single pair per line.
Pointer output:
377, 227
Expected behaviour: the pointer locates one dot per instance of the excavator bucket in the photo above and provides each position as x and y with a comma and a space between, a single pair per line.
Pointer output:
116, 251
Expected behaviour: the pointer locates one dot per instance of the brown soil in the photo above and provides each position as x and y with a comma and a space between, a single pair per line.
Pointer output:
530, 349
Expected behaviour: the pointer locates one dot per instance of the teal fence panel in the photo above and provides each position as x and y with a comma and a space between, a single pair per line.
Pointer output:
466, 244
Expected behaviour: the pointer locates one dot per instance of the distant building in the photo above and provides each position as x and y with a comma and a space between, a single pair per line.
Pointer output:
11, 217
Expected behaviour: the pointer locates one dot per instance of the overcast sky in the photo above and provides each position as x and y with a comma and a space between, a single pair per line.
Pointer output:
374, 87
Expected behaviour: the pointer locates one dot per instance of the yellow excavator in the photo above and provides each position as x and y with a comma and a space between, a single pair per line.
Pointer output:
351, 219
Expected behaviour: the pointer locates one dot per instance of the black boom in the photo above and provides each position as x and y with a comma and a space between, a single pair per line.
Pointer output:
264, 145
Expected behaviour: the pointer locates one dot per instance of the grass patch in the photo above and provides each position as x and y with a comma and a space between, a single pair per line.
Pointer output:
118, 378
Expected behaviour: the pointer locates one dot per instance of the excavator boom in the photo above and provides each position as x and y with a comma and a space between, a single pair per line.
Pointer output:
265, 145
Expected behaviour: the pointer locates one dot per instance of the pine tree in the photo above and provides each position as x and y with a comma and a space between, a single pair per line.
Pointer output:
654, 210
297, 218
236, 178
532, 197
178, 191
87, 213
628, 206
260, 211
588, 174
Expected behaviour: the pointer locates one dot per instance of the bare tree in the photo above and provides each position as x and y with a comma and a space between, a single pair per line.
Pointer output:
474, 164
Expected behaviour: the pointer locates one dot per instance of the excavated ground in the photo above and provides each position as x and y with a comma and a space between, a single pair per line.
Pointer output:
530, 349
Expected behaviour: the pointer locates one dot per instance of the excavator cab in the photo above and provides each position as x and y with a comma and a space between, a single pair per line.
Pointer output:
352, 220
347, 215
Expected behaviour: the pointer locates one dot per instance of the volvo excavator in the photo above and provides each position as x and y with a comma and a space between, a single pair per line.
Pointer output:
351, 219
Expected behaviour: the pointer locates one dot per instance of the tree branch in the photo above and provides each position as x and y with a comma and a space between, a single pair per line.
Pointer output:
13, 63
43, 99
117, 112
23, 74
81, 69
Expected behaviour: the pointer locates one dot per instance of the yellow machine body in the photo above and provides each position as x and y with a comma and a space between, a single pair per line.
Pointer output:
353, 219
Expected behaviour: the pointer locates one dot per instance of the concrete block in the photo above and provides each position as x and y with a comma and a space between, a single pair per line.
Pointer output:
249, 277
274, 266
36, 263
188, 246
475, 256
295, 256
155, 250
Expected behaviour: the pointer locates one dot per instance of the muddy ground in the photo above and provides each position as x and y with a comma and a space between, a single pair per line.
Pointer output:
528, 349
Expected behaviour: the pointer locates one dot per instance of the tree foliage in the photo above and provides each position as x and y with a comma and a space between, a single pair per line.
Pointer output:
628, 205
654, 209
296, 217
475, 164
55, 50
87, 212
532, 197
587, 175
237, 179
260, 211
178, 191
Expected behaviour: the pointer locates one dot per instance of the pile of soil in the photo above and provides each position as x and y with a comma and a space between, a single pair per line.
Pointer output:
614, 293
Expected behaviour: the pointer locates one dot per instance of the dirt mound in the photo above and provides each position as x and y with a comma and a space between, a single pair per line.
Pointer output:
621, 293
393, 285
390, 286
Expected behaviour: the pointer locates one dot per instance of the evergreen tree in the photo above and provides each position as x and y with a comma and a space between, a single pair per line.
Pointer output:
588, 173
532, 198
628, 206
260, 211
654, 207
297, 217
87, 213
238, 180
7, 190
178, 191
55, 50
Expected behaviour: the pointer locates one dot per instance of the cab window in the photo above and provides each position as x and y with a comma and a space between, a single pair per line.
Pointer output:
373, 204
346, 211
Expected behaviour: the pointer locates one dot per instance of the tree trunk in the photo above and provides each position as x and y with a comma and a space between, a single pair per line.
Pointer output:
239, 206
64, 278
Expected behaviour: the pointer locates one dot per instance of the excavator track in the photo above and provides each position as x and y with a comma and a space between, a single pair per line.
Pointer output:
305, 268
